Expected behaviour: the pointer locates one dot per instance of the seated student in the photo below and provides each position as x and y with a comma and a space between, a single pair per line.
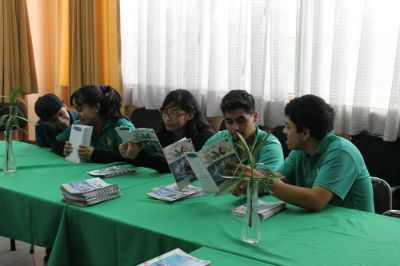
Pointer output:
98, 107
324, 168
238, 108
54, 118
181, 117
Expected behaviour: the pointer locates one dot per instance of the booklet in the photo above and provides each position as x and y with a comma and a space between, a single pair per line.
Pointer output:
178, 163
80, 134
172, 193
176, 257
265, 209
145, 136
210, 163
112, 171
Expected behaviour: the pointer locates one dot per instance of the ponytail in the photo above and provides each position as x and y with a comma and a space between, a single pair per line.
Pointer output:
106, 96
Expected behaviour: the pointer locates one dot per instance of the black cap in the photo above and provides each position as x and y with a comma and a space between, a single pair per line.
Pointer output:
47, 106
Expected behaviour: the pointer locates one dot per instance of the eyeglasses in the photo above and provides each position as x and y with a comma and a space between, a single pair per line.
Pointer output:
172, 114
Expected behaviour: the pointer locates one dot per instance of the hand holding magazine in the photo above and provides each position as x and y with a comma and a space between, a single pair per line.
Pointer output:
80, 134
211, 162
145, 136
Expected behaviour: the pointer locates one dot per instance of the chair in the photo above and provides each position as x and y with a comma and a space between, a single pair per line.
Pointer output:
146, 118
382, 159
382, 195
278, 132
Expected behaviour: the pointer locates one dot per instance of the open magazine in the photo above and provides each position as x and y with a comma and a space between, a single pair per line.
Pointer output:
211, 162
178, 163
145, 136
176, 257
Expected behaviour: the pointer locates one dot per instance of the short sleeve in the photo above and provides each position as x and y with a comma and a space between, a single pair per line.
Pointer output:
337, 173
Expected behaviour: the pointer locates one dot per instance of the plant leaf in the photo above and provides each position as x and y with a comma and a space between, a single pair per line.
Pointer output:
230, 187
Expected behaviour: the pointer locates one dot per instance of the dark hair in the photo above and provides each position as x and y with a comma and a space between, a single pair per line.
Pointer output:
238, 99
184, 100
312, 112
107, 97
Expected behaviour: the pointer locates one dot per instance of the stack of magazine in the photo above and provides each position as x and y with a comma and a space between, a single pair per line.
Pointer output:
265, 209
172, 193
88, 192
112, 171
176, 257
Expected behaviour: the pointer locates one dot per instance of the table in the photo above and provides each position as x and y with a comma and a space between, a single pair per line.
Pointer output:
135, 228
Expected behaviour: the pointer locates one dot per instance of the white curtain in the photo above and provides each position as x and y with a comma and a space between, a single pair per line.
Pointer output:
348, 52
209, 47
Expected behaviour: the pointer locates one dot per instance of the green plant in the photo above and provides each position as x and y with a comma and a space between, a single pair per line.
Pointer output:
14, 117
239, 174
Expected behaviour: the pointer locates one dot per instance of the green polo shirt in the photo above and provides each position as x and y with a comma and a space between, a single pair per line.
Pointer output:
107, 140
336, 165
271, 155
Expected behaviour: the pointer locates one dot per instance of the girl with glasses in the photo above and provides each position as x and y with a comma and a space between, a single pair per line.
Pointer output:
181, 117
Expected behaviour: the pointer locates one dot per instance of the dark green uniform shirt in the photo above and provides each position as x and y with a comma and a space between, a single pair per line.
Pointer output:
336, 165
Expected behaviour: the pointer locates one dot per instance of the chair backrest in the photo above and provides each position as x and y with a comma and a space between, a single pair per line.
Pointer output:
382, 195
146, 118
278, 132
381, 157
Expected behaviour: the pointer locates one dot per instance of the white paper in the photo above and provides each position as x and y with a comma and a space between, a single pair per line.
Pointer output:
80, 134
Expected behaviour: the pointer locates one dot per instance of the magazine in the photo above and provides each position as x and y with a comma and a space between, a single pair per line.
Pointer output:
80, 134
89, 191
178, 163
265, 209
145, 136
176, 257
173, 193
210, 163
112, 171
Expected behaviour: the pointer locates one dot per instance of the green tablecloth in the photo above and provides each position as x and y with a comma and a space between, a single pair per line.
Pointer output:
31, 204
135, 228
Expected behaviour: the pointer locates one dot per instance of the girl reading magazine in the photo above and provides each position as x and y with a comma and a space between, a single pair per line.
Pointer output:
181, 117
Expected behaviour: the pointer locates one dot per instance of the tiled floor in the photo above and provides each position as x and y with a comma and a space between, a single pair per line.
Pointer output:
21, 256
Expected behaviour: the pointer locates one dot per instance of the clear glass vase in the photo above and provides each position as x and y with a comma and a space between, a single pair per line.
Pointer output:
251, 222
9, 164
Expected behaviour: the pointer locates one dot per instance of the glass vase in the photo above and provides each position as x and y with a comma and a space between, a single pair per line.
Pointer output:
9, 164
251, 221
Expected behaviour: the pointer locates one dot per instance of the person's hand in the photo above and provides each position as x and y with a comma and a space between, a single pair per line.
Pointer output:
243, 170
85, 152
129, 150
67, 148
240, 189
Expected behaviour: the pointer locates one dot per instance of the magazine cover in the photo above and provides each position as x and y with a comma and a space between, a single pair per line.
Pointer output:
145, 136
178, 163
172, 193
211, 162
265, 209
176, 257
80, 134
